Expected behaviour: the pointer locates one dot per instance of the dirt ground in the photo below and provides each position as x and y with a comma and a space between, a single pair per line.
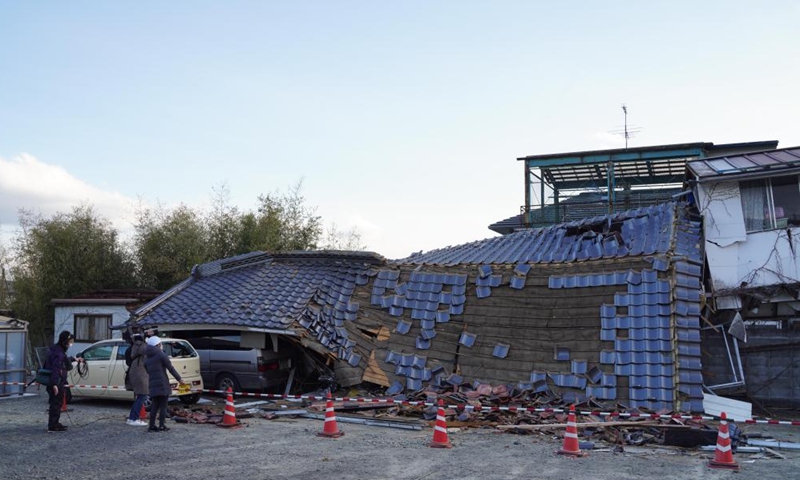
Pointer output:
99, 445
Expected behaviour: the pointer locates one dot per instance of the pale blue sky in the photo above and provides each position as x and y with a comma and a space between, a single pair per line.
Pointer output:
404, 118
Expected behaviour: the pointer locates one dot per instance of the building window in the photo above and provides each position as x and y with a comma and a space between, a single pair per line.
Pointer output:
92, 328
771, 203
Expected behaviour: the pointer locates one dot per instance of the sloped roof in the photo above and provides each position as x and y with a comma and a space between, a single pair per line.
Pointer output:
262, 290
271, 291
785, 160
585, 204
643, 231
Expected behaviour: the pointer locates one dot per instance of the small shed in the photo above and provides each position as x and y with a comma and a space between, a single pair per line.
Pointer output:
90, 316
13, 342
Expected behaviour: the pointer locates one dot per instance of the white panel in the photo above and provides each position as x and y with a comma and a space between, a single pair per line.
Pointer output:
734, 409
721, 207
723, 265
755, 261
767, 259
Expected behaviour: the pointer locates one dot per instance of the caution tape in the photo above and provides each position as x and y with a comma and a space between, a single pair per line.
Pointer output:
512, 409
463, 407
88, 387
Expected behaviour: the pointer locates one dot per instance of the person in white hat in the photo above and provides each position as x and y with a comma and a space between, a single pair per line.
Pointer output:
157, 363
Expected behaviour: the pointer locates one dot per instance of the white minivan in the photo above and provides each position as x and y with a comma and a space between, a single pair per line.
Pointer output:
105, 377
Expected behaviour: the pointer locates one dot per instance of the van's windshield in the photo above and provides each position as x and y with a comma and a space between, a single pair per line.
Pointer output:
179, 349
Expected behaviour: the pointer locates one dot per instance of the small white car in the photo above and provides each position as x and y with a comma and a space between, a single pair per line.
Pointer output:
106, 372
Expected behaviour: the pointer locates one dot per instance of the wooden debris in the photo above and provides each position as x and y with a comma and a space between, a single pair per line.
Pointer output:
545, 426
688, 437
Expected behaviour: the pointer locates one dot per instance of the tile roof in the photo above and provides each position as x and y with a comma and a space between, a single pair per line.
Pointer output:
585, 204
643, 231
270, 291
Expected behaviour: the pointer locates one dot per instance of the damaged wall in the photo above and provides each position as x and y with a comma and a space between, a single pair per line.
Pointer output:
600, 329
771, 363
616, 328
737, 258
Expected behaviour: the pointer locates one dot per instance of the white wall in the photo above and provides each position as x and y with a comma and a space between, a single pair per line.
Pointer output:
65, 320
734, 256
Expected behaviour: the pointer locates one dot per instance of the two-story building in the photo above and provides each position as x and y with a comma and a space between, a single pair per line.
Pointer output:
750, 205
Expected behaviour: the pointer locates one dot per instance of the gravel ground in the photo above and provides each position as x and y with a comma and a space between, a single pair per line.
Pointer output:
99, 445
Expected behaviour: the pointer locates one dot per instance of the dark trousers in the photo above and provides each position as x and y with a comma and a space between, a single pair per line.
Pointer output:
136, 409
158, 404
54, 410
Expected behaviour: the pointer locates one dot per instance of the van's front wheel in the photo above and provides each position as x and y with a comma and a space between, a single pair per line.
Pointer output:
226, 381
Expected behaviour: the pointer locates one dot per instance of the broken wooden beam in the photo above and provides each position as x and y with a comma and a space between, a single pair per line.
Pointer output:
542, 426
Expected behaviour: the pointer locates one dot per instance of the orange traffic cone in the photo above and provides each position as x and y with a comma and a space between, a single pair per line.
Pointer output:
143, 413
571, 446
64, 401
440, 430
723, 456
229, 419
330, 429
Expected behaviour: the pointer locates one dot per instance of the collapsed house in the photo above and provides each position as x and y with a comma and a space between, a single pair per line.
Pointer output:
606, 307
750, 204
569, 303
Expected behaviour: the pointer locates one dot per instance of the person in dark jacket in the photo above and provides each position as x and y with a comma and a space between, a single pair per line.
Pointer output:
137, 376
157, 363
59, 364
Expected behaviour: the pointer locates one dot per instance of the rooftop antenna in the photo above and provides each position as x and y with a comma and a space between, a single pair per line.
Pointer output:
625, 114
611, 180
626, 132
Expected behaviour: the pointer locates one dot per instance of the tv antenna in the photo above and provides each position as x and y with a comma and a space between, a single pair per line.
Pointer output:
625, 131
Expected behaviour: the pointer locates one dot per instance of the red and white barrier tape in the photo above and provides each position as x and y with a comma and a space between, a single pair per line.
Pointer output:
462, 406
504, 409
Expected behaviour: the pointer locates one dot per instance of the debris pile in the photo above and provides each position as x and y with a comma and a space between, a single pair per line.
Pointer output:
543, 416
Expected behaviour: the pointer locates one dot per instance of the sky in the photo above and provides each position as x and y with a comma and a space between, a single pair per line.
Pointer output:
403, 120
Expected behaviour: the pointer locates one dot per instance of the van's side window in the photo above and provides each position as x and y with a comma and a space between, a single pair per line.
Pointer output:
121, 349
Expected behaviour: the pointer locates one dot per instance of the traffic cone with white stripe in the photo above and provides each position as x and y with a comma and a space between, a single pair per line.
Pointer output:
440, 430
571, 446
330, 429
229, 419
723, 456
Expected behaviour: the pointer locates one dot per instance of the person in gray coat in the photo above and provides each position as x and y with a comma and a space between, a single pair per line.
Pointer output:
157, 363
138, 379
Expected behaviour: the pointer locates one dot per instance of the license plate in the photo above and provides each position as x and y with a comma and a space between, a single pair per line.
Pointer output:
286, 363
182, 389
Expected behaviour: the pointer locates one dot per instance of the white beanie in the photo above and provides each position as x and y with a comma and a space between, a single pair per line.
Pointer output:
153, 341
